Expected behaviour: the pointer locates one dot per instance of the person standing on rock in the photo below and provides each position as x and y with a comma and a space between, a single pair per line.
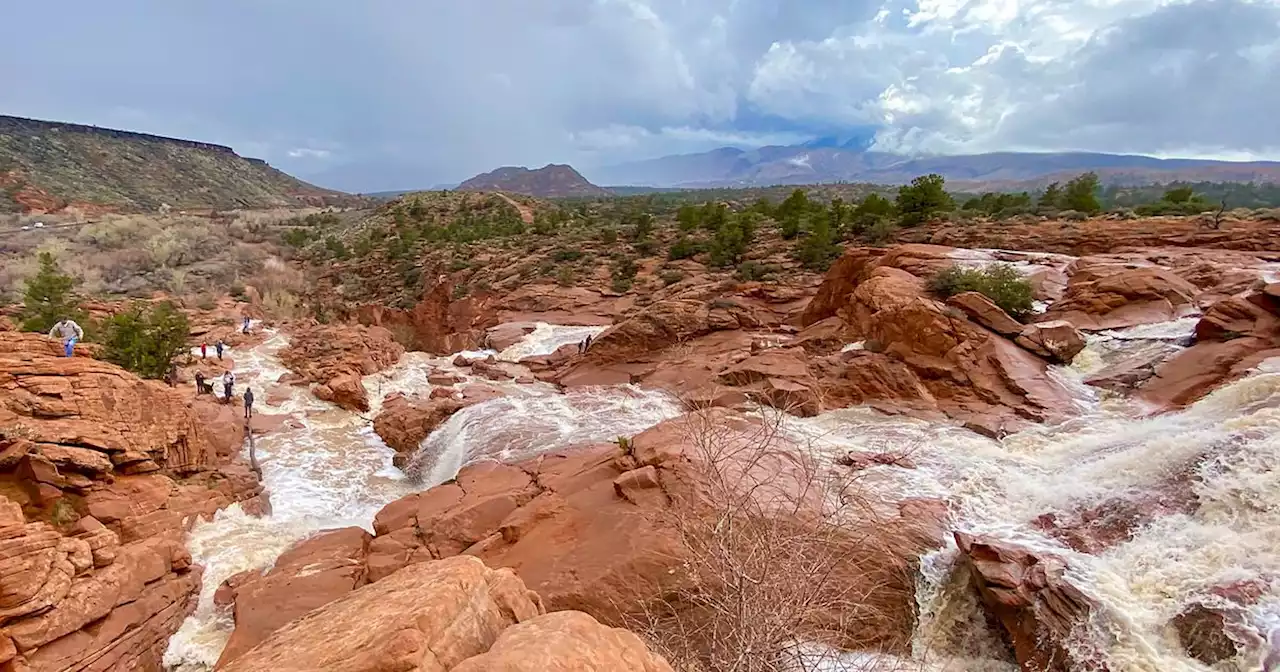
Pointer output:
69, 332
171, 376
199, 383
228, 381
248, 403
204, 351
220, 347
245, 328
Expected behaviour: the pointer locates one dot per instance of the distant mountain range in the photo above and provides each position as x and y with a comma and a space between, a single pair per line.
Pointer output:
826, 161
47, 166
550, 181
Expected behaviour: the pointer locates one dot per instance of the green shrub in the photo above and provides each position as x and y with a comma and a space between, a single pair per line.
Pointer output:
671, 277
47, 297
881, 231
461, 290
145, 339
750, 271
564, 254
565, 276
1001, 283
645, 248
683, 248
624, 273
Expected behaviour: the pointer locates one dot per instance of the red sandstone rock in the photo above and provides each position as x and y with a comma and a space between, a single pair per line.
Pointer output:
984, 311
920, 345
405, 421
1056, 341
309, 575
336, 357
1124, 299
1234, 336
1028, 594
119, 467
453, 614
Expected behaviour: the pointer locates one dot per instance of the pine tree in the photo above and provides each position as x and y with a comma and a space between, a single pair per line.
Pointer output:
145, 339
47, 297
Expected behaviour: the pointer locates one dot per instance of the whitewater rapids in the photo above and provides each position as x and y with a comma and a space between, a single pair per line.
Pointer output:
325, 468
330, 470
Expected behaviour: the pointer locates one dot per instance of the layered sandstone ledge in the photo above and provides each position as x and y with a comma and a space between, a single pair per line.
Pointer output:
101, 474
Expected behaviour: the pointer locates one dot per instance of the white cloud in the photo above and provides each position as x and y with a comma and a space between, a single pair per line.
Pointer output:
418, 93
308, 153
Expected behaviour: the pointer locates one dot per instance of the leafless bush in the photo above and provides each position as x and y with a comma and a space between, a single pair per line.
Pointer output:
775, 551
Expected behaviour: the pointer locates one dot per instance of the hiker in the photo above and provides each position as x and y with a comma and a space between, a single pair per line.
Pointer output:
69, 332
204, 351
582, 346
220, 346
228, 380
587, 345
172, 376
248, 403
245, 329
200, 386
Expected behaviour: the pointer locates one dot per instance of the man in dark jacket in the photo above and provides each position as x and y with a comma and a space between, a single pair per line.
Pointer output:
248, 403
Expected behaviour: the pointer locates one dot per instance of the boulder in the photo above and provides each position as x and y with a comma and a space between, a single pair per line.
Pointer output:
337, 357
1233, 337
1056, 341
505, 335
405, 421
984, 311
565, 640
311, 574
429, 616
1028, 594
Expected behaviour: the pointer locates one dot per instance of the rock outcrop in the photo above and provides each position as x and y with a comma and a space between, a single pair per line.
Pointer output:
444, 616
926, 355
406, 420
1234, 336
1126, 298
311, 574
101, 473
438, 323
336, 358
1028, 594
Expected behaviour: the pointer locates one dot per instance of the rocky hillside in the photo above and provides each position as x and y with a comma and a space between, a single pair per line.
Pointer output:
48, 166
550, 181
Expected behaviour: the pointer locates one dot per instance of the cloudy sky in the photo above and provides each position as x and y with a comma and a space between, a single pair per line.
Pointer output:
384, 94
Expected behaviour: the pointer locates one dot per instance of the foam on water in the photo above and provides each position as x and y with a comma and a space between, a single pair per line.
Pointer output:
326, 468
1228, 443
537, 421
546, 339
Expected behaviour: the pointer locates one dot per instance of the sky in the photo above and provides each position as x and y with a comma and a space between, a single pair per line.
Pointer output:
368, 95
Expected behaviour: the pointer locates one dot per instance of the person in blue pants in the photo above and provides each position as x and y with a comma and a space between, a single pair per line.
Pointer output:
69, 332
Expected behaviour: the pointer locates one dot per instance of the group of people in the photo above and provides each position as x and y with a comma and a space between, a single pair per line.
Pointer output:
219, 346
228, 385
584, 344
69, 332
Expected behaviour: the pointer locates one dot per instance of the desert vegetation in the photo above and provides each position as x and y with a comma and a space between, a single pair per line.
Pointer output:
785, 558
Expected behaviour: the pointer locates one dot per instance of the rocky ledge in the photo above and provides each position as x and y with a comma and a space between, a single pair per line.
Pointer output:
101, 474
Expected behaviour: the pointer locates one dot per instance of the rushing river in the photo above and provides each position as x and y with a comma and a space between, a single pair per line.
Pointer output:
326, 468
